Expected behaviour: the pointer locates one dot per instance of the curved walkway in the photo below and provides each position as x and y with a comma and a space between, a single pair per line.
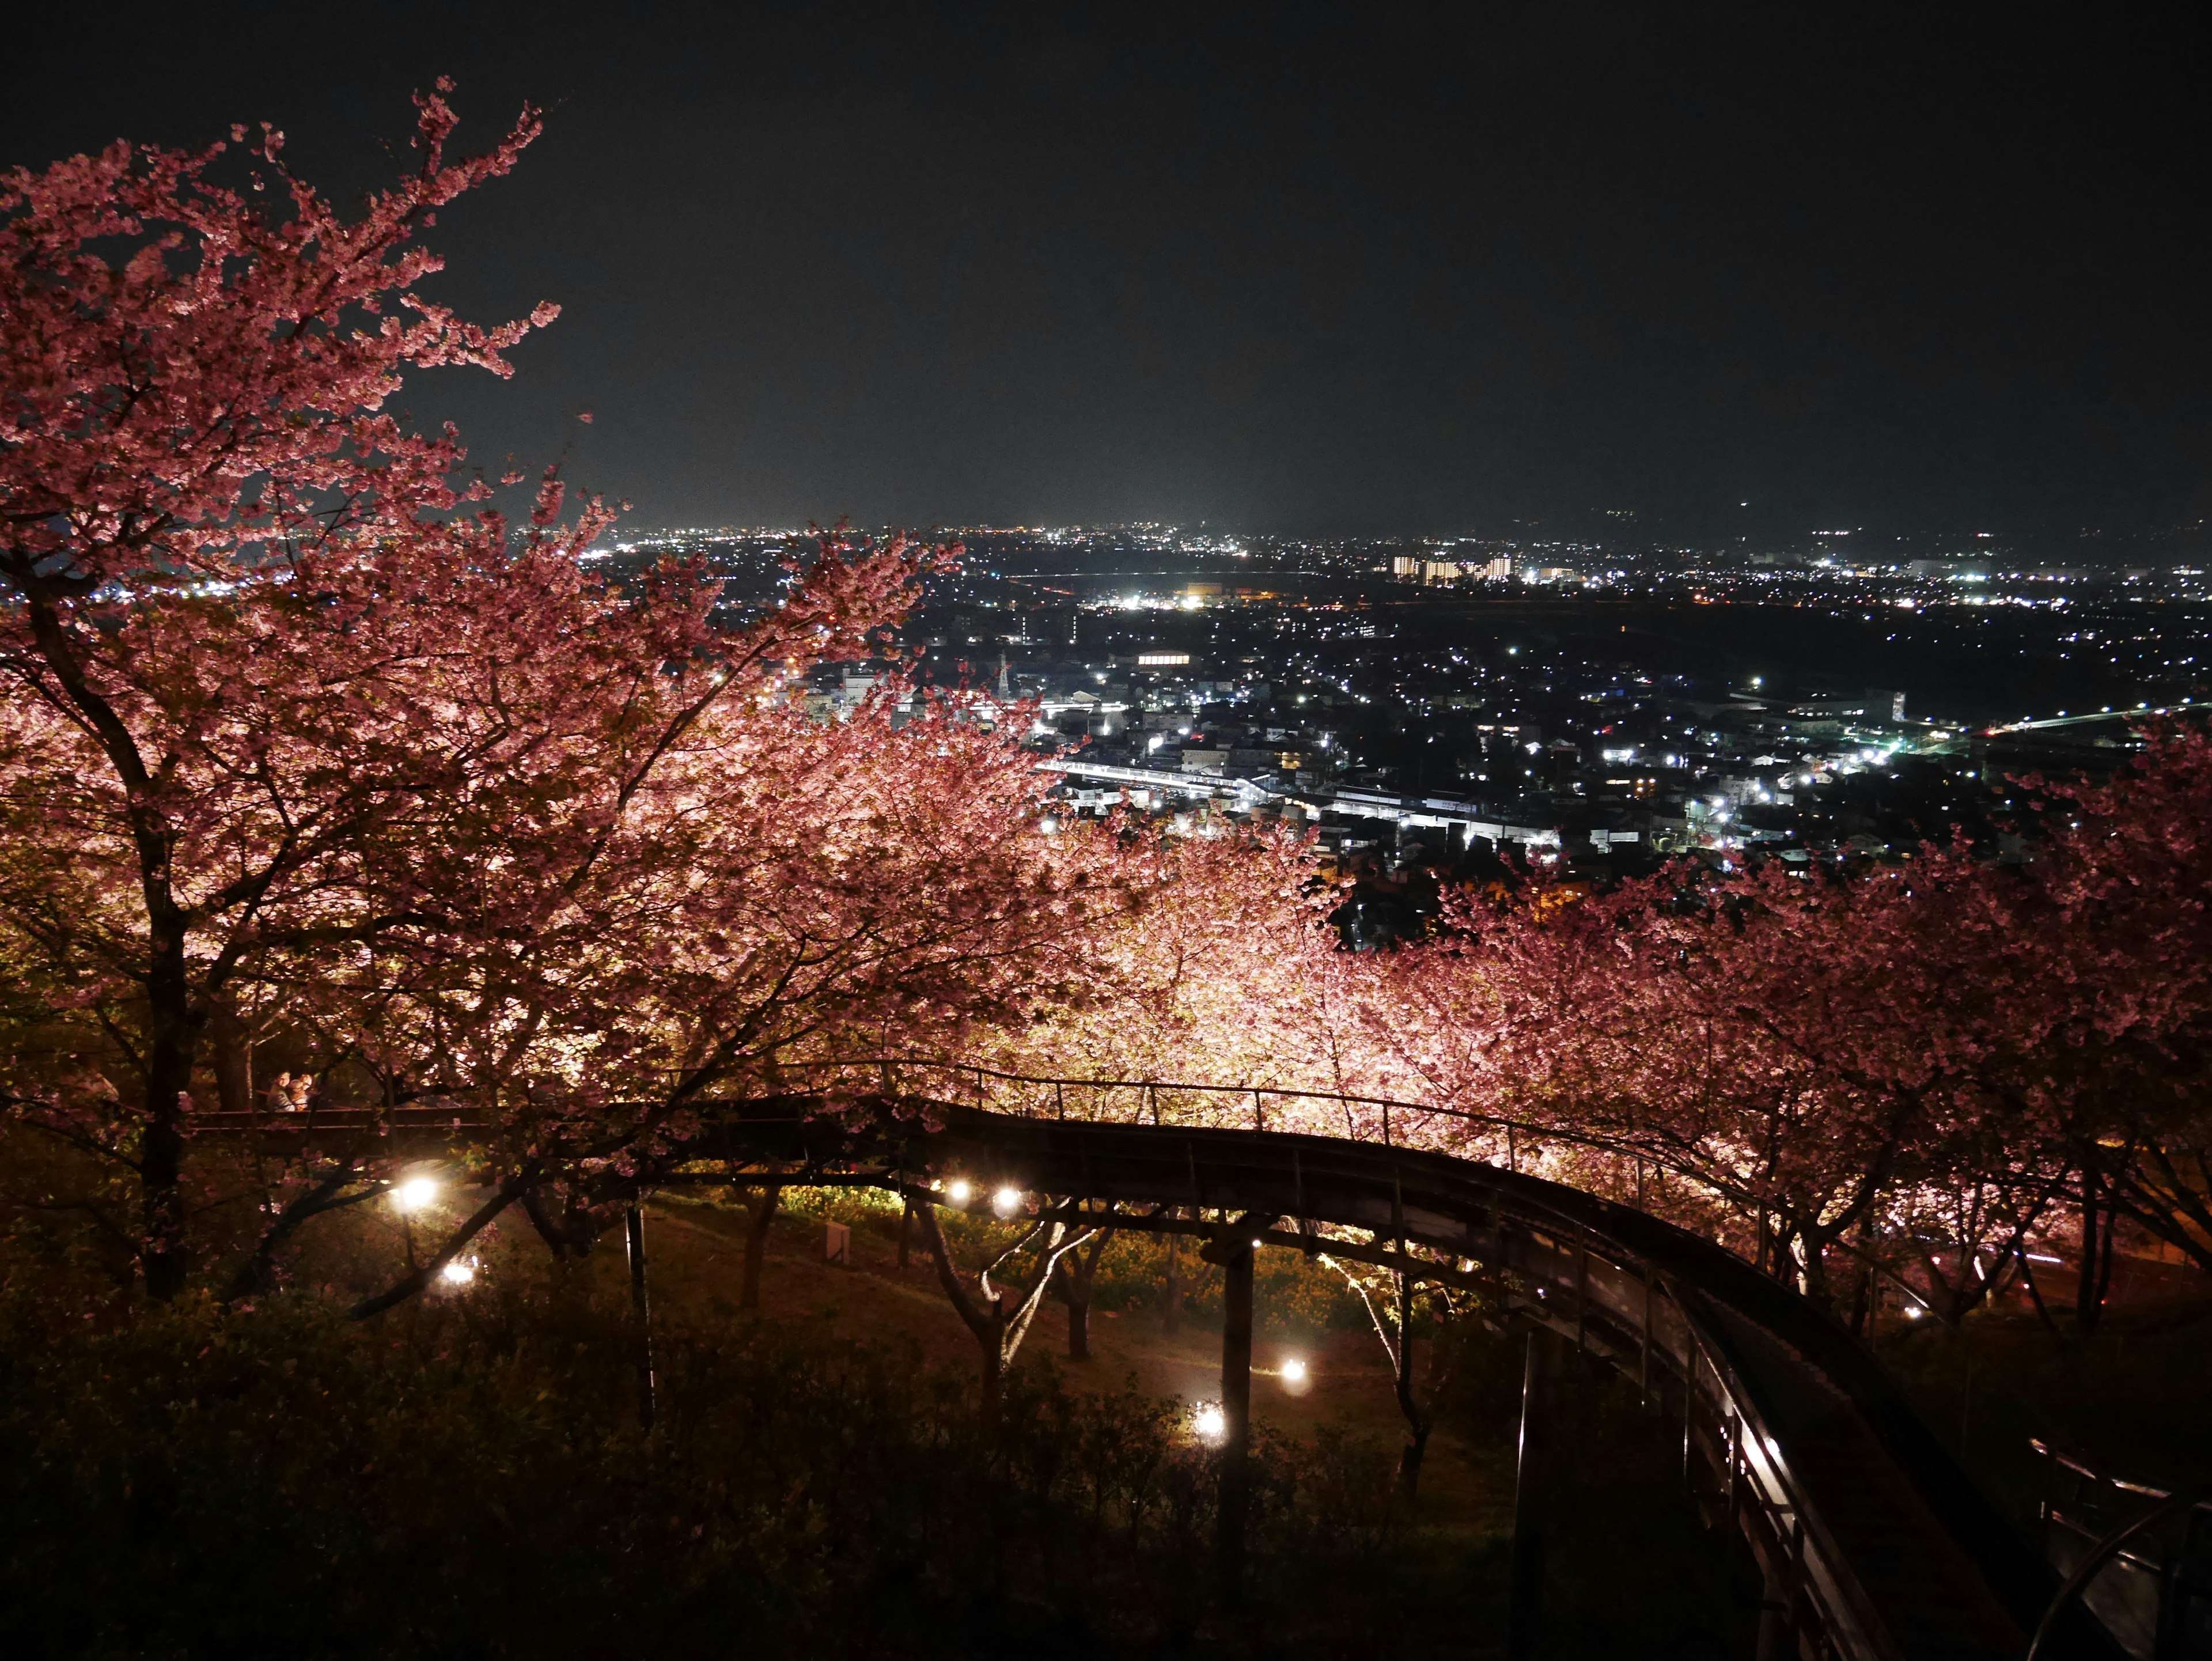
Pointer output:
1874, 1542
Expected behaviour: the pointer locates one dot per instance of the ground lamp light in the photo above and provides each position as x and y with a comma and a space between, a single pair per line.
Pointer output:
415, 1192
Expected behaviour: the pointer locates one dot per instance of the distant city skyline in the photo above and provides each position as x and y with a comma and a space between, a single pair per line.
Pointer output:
2095, 546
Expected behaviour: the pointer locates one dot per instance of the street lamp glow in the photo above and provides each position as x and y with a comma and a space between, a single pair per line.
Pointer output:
1210, 1423
459, 1272
415, 1192
1294, 1372
958, 1191
1006, 1201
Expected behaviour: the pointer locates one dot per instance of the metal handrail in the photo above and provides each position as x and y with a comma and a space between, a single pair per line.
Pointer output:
2105, 1550
878, 1070
2059, 1457
1153, 1087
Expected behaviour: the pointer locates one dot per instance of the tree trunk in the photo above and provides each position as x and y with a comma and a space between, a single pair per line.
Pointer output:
2035, 1295
757, 1243
1077, 1297
1862, 1292
2105, 1248
555, 1236
162, 1147
1078, 1270
994, 1346
233, 1060
172, 1035
1417, 1423
2088, 1289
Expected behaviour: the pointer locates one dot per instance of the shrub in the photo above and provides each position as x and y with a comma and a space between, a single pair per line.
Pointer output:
467, 1478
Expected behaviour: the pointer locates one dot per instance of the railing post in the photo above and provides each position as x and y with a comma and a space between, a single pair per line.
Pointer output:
1778, 1605
633, 1236
1532, 1495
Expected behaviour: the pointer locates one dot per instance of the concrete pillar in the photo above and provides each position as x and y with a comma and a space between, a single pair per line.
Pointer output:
1236, 1417
1533, 1496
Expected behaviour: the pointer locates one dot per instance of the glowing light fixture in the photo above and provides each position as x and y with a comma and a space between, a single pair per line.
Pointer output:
415, 1192
459, 1272
1006, 1201
958, 1191
1210, 1423
1294, 1372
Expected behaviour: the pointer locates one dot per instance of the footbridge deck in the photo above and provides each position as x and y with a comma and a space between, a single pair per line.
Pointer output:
1877, 1542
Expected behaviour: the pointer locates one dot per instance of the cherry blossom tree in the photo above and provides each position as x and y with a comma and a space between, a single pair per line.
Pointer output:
1217, 969
311, 740
770, 901
2129, 870
1909, 1067
202, 409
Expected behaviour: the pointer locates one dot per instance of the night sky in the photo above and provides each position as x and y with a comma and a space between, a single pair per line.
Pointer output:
1365, 267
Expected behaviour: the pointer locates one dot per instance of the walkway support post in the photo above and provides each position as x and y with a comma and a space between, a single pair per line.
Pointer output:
634, 1233
1233, 1252
1533, 1496
1171, 1292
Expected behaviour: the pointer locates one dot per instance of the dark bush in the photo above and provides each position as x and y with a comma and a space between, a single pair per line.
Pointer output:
467, 1479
